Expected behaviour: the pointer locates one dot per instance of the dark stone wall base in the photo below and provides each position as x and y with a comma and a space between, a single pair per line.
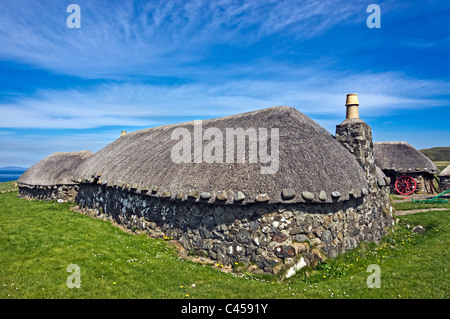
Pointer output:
278, 239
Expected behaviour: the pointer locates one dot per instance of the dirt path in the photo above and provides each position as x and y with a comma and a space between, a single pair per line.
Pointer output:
413, 211
399, 199
417, 197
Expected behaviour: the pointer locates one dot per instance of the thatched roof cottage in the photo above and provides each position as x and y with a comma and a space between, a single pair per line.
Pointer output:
400, 158
308, 159
444, 179
269, 187
51, 178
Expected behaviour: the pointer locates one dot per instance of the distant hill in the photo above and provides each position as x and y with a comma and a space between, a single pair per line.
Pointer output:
437, 154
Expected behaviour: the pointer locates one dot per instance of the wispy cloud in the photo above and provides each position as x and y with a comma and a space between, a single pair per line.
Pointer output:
119, 37
143, 105
164, 61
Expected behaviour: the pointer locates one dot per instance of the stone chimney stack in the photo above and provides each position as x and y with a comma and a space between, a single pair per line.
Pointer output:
355, 135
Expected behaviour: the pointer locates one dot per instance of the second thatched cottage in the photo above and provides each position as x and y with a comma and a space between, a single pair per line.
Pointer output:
52, 177
270, 188
444, 179
398, 159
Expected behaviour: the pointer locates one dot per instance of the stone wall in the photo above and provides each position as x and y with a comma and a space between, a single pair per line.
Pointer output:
356, 136
270, 238
55, 192
444, 183
276, 238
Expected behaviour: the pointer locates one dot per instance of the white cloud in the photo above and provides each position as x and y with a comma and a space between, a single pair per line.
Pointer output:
143, 105
120, 38
126, 39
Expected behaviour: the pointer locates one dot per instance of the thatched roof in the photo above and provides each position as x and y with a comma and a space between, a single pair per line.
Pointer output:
380, 173
401, 157
56, 169
445, 172
310, 160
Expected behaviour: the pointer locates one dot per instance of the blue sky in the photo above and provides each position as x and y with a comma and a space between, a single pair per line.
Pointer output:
137, 64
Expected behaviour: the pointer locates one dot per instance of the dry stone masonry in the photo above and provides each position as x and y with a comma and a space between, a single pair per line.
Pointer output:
275, 238
65, 193
444, 179
444, 183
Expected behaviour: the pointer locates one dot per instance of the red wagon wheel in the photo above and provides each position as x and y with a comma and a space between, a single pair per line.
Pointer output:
405, 185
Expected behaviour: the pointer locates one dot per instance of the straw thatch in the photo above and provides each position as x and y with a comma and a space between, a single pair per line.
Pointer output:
56, 169
445, 172
310, 160
401, 157
380, 173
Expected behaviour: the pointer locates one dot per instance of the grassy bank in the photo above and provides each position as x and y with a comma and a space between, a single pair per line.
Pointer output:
7, 187
39, 240
437, 153
409, 205
442, 165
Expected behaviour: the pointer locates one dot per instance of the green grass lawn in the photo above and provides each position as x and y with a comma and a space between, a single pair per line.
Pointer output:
409, 205
38, 240
7, 187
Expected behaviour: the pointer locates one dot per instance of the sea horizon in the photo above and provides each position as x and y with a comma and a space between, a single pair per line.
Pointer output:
10, 175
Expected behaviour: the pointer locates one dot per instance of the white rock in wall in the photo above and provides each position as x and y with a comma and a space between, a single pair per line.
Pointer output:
293, 270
